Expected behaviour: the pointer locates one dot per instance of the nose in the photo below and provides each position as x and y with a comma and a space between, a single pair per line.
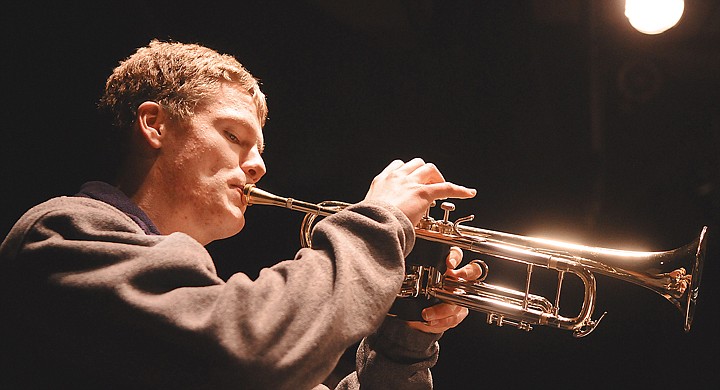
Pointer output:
254, 166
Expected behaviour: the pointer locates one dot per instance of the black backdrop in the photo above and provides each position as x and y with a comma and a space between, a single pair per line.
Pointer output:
569, 123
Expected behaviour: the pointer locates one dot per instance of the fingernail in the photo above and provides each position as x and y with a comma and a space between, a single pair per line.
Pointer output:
454, 261
455, 256
428, 315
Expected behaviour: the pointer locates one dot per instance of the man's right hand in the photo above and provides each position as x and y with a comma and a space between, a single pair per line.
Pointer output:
412, 187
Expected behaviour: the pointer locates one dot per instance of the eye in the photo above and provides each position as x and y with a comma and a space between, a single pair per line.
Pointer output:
232, 137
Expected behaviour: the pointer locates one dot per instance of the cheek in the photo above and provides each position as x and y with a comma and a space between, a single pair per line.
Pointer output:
203, 169
198, 160
206, 180
190, 178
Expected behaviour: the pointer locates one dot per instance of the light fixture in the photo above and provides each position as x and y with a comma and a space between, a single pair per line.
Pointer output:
654, 16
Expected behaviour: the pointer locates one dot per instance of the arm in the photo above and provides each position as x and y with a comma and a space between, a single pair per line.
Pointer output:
106, 295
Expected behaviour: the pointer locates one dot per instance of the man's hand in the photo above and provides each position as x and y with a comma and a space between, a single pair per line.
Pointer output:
444, 316
412, 186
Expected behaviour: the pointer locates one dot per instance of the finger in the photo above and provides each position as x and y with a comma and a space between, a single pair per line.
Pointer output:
447, 190
427, 173
450, 321
440, 311
392, 166
442, 324
454, 258
411, 166
470, 271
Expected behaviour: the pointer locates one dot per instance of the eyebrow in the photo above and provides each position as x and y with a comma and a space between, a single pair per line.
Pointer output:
242, 122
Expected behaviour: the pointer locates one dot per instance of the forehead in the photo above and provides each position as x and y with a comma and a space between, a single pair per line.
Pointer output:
233, 105
230, 99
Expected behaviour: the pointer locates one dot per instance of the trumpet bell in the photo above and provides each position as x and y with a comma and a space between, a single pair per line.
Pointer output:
695, 252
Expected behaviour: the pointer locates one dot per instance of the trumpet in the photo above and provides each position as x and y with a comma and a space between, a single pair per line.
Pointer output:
673, 274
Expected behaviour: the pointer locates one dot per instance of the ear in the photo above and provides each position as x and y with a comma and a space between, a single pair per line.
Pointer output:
151, 121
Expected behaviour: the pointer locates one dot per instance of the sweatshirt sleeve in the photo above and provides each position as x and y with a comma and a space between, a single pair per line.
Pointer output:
109, 298
395, 356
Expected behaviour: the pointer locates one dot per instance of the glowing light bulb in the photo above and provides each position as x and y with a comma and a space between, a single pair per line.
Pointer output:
654, 16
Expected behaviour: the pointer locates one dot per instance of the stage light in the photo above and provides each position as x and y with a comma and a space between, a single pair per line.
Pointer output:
653, 16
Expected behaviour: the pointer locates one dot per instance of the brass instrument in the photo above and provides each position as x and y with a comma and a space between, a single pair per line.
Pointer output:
674, 274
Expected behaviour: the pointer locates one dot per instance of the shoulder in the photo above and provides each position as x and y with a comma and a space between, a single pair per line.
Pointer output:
69, 217
77, 210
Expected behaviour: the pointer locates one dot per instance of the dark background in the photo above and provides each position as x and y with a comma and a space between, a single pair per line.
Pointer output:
569, 123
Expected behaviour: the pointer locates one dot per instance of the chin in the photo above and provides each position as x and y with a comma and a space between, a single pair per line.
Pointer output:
233, 219
234, 225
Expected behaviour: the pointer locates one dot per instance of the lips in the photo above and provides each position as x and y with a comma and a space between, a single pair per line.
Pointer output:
239, 189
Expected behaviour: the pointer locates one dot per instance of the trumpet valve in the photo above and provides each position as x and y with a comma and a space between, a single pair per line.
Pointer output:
426, 222
448, 207
445, 226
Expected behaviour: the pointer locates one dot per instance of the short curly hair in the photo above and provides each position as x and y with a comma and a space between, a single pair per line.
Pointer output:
175, 75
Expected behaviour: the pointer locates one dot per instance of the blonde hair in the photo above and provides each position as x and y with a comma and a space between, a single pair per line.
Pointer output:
177, 76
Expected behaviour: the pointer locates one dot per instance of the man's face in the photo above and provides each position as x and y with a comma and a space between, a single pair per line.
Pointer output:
209, 158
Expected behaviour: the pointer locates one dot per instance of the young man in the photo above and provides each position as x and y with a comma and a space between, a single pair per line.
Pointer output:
113, 288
